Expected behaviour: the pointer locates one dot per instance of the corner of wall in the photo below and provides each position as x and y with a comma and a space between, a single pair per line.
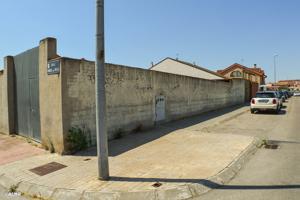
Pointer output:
7, 124
50, 98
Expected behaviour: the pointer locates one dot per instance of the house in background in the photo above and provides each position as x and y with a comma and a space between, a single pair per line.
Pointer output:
175, 66
254, 74
291, 84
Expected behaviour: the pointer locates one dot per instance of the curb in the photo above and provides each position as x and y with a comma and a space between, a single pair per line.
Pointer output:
234, 116
181, 192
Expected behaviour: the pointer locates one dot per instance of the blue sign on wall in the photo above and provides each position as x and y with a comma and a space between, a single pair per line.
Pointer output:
53, 67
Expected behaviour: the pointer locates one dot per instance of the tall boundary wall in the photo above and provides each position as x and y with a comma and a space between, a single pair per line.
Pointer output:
131, 96
67, 99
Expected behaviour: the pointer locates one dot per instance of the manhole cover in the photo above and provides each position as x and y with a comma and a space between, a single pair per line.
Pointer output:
47, 168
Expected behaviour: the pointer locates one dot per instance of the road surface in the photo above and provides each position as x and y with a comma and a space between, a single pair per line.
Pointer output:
270, 173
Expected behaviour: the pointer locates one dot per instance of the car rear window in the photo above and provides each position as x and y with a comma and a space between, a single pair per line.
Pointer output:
265, 95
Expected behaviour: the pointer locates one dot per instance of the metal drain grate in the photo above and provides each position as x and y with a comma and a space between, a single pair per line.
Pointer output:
271, 146
47, 168
157, 184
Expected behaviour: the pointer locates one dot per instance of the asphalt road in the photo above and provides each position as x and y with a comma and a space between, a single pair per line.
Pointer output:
269, 174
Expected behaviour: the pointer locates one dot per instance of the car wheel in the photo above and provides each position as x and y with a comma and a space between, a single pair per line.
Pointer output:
252, 111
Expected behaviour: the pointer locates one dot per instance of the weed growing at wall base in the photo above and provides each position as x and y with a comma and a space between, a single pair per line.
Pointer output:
76, 139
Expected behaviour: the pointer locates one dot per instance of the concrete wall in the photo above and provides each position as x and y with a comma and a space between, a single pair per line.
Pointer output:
67, 99
2, 105
7, 97
131, 92
78, 97
50, 99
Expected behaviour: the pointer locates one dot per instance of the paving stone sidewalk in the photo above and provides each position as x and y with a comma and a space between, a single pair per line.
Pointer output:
14, 148
184, 160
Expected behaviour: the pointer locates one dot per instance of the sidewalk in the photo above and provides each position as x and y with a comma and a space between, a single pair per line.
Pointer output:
13, 149
185, 161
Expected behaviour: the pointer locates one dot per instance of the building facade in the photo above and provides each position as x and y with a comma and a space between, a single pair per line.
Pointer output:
253, 74
179, 67
291, 84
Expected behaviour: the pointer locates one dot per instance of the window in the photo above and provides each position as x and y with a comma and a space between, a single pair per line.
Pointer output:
236, 74
266, 95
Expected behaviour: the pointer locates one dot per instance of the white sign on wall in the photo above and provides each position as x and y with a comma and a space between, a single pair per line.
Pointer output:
53, 67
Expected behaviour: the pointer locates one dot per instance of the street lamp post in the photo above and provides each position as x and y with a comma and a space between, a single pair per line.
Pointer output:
275, 56
102, 147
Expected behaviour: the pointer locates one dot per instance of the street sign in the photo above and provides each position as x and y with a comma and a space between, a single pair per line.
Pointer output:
53, 67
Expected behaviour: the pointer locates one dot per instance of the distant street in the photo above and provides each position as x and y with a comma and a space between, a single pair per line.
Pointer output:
270, 173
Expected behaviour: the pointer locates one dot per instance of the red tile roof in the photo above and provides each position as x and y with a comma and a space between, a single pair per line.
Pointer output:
255, 70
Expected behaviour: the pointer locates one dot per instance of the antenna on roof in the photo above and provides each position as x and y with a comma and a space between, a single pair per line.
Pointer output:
177, 55
152, 64
194, 63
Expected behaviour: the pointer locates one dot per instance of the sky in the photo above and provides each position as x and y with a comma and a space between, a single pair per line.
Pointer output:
212, 33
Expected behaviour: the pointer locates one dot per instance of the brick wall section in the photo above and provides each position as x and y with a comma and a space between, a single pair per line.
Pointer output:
130, 94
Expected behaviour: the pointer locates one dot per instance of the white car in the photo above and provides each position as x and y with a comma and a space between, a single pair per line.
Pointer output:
297, 93
266, 100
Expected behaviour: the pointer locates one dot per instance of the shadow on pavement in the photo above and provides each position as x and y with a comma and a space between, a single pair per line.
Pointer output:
207, 183
134, 140
282, 112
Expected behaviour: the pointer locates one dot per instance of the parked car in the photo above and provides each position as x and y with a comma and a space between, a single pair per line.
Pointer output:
282, 96
297, 93
266, 100
287, 94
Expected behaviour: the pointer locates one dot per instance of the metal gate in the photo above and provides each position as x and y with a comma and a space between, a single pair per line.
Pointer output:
27, 94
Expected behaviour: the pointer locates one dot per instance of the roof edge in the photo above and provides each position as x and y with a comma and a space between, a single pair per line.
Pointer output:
191, 65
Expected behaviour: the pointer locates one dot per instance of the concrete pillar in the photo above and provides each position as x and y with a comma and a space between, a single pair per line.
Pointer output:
50, 99
8, 103
9, 63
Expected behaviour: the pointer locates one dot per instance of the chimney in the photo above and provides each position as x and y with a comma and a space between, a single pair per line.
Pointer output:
255, 65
